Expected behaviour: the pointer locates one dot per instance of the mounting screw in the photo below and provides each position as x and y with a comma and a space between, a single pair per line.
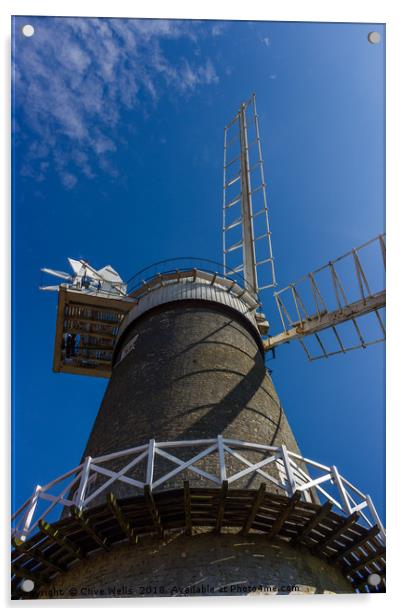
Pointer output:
28, 30
27, 585
374, 37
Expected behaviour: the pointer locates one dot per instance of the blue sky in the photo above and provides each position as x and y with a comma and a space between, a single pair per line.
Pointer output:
117, 158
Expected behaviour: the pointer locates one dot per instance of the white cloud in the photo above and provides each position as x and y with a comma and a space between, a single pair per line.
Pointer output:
76, 76
68, 179
217, 28
207, 73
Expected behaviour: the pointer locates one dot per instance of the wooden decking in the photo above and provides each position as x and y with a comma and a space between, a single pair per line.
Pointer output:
342, 541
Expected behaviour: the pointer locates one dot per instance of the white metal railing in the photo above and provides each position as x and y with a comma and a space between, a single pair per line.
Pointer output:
138, 467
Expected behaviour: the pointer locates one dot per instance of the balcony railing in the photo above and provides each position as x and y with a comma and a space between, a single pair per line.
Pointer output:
140, 467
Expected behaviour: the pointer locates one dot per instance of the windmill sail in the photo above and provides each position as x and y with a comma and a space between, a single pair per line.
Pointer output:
327, 310
247, 246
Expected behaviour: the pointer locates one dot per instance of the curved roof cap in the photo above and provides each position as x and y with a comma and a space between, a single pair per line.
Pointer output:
191, 284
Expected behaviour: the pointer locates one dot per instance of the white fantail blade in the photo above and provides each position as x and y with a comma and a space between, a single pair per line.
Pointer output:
82, 268
108, 273
90, 271
50, 288
76, 266
57, 273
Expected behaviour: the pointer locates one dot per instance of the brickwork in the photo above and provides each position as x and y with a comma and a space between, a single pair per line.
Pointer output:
204, 564
195, 370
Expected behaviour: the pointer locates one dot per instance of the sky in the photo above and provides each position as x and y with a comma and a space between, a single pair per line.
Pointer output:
117, 159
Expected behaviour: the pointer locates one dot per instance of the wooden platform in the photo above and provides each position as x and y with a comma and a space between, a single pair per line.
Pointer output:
93, 322
342, 541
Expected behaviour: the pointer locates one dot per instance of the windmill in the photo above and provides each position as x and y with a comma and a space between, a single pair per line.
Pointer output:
190, 433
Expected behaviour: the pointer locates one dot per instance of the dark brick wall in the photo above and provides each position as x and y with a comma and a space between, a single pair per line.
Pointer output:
200, 565
196, 371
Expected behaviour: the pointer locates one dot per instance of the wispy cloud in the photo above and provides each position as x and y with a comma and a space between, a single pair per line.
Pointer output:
75, 77
217, 28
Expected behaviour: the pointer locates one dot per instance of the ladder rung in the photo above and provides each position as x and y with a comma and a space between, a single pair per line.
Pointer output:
239, 268
248, 103
250, 145
257, 164
264, 261
231, 162
232, 122
261, 237
257, 188
234, 224
230, 182
233, 202
234, 247
264, 209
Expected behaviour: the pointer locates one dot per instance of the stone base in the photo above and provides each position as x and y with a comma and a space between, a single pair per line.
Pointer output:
203, 564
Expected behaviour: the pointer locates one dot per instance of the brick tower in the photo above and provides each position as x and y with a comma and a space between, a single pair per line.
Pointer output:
191, 481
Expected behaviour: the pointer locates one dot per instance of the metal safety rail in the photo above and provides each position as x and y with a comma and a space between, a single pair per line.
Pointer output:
323, 301
140, 469
247, 245
179, 264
